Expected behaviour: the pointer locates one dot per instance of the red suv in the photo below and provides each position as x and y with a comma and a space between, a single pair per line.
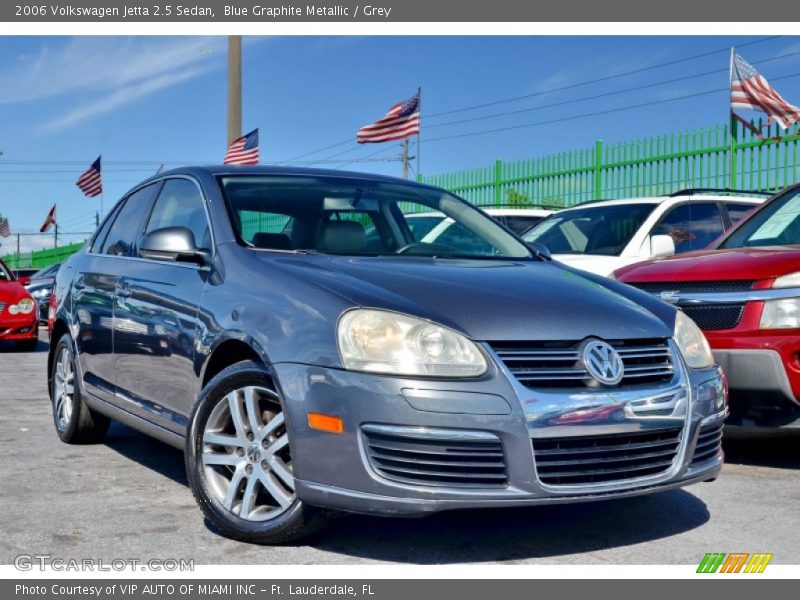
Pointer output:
744, 293
18, 321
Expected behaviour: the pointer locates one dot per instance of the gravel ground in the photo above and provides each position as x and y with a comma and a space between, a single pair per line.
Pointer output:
128, 498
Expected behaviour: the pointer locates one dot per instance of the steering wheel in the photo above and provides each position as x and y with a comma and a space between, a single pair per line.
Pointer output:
423, 249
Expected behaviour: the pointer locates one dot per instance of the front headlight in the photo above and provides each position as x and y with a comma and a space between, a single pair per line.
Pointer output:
787, 281
781, 314
692, 343
24, 306
379, 341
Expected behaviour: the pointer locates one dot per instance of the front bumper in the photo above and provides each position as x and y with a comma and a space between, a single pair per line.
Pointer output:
340, 471
761, 392
19, 328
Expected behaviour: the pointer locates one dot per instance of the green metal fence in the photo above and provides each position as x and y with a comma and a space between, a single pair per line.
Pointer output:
41, 258
647, 167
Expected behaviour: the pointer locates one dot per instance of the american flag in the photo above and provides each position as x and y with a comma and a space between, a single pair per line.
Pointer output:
5, 230
49, 220
400, 122
91, 182
750, 90
243, 151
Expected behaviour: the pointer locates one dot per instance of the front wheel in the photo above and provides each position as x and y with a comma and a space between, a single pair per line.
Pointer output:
239, 461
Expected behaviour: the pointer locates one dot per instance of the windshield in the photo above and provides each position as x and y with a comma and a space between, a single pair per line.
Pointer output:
778, 224
367, 218
604, 230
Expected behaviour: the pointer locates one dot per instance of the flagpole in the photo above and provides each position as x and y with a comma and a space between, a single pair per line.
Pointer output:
733, 126
419, 134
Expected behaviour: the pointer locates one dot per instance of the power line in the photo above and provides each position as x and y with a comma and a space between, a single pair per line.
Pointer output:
601, 79
594, 113
605, 94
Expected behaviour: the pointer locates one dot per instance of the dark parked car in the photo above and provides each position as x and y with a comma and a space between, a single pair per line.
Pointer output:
242, 315
39, 286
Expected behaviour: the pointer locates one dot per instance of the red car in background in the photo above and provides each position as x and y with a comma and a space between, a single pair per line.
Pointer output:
18, 322
744, 293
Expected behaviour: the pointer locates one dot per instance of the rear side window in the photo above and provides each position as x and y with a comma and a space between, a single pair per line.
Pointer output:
128, 223
692, 226
180, 204
738, 211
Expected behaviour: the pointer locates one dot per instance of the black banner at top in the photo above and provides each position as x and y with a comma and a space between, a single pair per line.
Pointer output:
397, 11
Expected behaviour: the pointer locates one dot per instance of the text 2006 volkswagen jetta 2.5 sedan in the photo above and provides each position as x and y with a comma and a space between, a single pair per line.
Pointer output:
288, 331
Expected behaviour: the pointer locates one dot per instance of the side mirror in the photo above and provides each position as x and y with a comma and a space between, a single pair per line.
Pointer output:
23, 281
174, 244
539, 250
661, 245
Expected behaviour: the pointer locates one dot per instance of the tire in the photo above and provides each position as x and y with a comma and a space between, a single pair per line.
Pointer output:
27, 345
75, 422
238, 460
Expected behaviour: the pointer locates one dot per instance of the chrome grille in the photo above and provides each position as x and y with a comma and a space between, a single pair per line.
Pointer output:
558, 364
606, 458
423, 456
694, 287
709, 443
711, 317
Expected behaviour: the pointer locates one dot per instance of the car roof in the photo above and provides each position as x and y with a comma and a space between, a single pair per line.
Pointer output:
674, 199
222, 170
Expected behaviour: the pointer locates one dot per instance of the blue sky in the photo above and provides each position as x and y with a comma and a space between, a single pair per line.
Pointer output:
141, 101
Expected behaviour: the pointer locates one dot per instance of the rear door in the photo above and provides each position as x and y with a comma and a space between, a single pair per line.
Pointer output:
158, 302
93, 290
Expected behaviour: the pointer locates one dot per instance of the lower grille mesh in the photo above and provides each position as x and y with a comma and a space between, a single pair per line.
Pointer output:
607, 458
430, 461
715, 316
709, 443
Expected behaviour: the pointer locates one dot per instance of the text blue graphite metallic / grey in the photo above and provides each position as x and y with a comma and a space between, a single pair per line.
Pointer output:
312, 353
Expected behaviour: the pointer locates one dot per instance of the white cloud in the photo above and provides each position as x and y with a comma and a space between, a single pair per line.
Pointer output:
114, 71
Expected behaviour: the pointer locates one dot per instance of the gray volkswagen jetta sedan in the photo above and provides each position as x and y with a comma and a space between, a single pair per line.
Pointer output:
287, 331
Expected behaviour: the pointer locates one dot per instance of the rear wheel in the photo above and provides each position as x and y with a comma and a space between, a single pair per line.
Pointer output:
239, 461
75, 422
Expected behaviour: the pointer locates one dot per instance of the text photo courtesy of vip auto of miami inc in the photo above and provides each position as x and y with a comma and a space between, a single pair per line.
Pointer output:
399, 300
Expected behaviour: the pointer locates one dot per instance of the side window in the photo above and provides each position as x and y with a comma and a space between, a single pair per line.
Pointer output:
692, 226
180, 205
99, 239
128, 222
737, 211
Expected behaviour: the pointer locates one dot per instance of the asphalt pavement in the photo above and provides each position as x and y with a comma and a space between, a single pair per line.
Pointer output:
128, 498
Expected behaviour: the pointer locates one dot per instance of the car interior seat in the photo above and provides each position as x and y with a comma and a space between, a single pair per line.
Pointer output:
342, 237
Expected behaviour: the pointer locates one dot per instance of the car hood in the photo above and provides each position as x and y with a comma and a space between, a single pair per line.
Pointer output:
12, 292
487, 299
594, 263
717, 265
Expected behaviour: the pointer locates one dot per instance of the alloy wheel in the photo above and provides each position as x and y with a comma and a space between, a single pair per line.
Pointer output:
245, 455
63, 388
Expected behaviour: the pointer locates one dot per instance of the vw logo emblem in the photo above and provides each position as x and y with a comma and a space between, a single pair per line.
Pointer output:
603, 363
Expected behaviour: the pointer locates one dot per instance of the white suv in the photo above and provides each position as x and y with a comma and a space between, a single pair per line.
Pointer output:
601, 237
435, 226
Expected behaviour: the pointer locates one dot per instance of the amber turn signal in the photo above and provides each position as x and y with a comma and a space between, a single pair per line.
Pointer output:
327, 423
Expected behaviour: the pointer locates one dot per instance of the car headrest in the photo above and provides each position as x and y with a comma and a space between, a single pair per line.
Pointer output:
343, 237
272, 241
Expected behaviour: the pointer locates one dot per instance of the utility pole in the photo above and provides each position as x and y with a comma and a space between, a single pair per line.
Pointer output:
96, 219
234, 87
405, 158
17, 256
55, 235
